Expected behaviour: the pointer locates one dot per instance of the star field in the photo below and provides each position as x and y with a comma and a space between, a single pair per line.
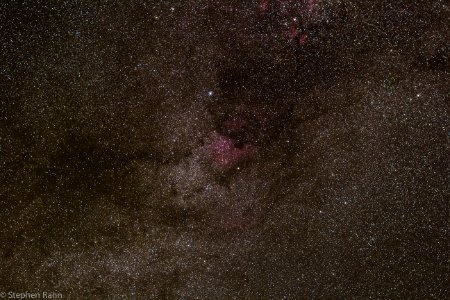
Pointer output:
260, 149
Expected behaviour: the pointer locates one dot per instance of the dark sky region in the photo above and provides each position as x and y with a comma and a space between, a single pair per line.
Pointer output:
261, 149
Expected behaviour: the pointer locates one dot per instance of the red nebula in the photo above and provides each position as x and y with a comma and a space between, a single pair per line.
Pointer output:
296, 11
263, 5
224, 152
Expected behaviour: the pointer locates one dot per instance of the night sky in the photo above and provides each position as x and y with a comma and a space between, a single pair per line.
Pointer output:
259, 149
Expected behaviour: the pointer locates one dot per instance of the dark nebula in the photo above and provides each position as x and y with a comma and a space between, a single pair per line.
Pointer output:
265, 149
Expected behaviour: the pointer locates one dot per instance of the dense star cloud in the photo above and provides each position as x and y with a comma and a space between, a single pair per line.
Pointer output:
197, 149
